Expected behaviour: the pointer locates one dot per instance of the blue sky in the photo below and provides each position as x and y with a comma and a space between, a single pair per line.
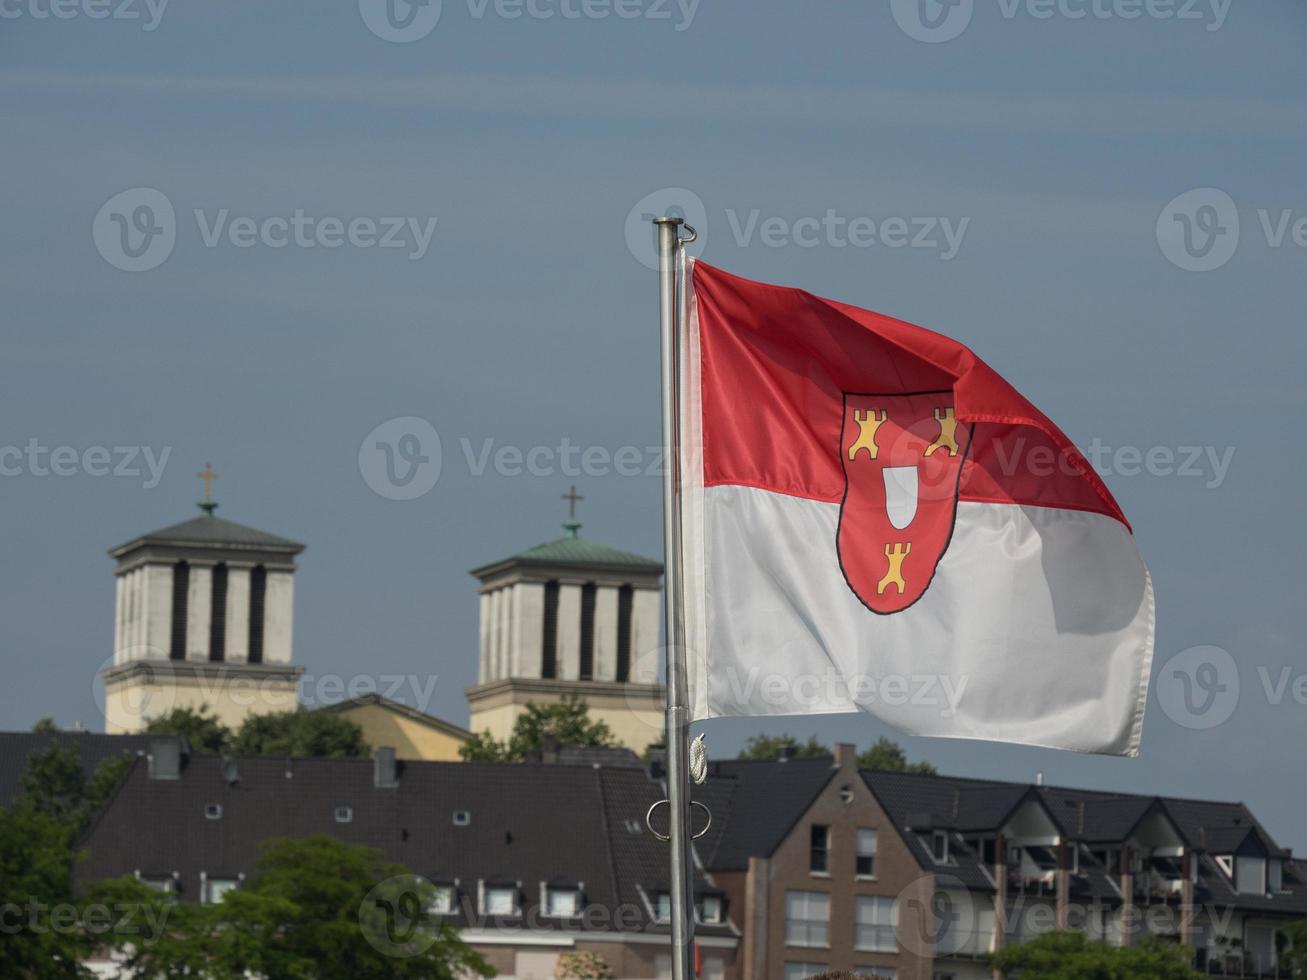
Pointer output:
1052, 145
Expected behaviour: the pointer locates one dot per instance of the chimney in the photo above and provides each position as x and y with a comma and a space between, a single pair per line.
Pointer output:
165, 758
1039, 778
549, 745
786, 753
846, 755
385, 770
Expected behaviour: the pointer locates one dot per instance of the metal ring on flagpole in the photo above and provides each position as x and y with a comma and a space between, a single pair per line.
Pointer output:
648, 820
694, 235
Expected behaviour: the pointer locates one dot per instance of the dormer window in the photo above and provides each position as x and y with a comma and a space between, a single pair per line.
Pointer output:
443, 900
562, 902
939, 846
662, 904
710, 909
500, 900
1250, 875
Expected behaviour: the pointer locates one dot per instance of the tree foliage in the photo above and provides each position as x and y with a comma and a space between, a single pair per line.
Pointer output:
885, 755
38, 834
1072, 956
583, 966
771, 746
888, 756
204, 732
568, 722
302, 733
318, 909
293, 733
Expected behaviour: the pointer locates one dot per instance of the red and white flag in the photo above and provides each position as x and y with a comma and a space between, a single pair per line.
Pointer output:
874, 520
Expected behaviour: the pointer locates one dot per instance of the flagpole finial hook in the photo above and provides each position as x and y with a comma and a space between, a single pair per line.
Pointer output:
679, 223
648, 820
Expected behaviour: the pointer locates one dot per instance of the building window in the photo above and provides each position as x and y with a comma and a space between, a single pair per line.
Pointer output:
802, 971
442, 900
181, 586
625, 603
462, 818
880, 972
216, 889
714, 968
344, 814
500, 900
662, 907
1250, 875
588, 594
162, 883
213, 811
865, 862
819, 852
875, 922
218, 614
807, 919
549, 637
939, 846
563, 903
258, 597
710, 909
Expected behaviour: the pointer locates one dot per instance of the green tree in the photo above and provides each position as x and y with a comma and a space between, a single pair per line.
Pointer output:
1072, 956
888, 756
56, 802
771, 746
568, 722
204, 732
318, 909
1293, 949
299, 733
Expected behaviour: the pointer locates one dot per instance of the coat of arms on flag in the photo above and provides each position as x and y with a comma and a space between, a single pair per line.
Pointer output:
902, 458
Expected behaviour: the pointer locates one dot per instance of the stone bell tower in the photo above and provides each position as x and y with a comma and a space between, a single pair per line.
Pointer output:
203, 619
571, 617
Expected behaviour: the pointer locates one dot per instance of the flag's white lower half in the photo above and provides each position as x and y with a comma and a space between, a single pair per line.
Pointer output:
1037, 627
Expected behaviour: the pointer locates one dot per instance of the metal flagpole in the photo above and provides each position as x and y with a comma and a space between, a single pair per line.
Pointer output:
678, 711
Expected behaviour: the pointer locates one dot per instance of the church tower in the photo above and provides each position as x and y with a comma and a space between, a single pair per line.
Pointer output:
571, 617
204, 619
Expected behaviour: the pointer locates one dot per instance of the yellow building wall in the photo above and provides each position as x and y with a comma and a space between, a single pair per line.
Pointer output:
410, 738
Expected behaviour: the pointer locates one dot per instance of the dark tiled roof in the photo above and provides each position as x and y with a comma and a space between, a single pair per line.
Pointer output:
210, 531
769, 798
973, 807
528, 824
92, 748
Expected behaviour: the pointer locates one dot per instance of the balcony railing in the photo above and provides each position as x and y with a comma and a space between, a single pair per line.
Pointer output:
1242, 966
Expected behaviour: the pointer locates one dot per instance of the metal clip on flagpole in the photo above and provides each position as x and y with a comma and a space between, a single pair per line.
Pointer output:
670, 252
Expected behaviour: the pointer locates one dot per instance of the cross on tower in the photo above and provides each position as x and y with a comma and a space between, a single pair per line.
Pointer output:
572, 525
208, 475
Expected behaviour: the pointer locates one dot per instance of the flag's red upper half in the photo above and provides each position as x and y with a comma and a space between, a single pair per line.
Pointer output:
778, 363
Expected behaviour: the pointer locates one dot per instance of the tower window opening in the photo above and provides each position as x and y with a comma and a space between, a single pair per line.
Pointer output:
218, 620
549, 639
258, 594
587, 668
181, 584
625, 602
